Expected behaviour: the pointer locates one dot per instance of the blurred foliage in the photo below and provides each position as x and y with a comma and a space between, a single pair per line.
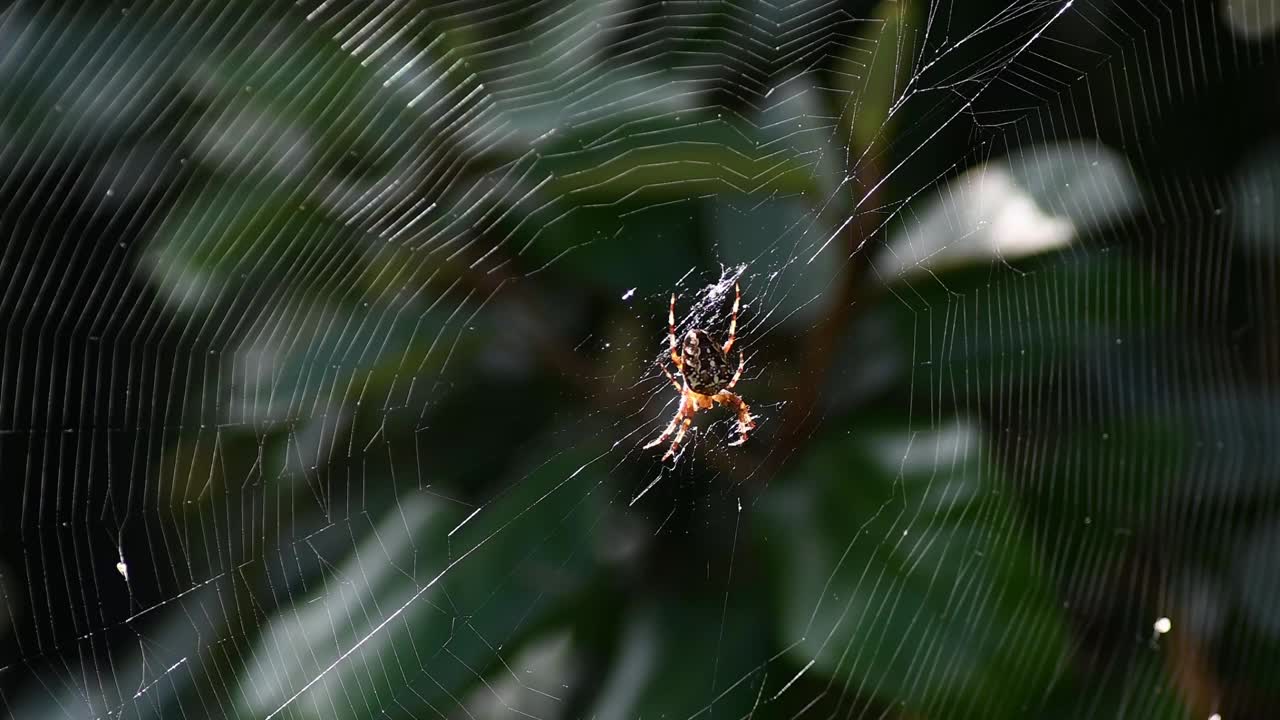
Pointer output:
377, 341
900, 539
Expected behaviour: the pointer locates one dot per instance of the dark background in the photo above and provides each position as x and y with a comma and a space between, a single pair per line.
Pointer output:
344, 366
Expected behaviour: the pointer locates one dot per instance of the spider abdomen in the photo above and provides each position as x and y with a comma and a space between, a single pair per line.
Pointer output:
707, 369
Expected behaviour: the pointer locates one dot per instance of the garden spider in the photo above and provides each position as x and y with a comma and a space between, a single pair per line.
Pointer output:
704, 366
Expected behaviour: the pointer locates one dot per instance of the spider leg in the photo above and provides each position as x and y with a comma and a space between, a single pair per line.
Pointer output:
681, 414
746, 423
742, 362
733, 322
666, 433
671, 334
679, 425
672, 378
675, 444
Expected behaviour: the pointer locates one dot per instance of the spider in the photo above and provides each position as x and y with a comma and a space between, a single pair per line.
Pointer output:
705, 368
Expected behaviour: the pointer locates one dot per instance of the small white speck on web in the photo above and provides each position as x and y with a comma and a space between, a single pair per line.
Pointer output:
1163, 625
1215, 716
629, 294
123, 569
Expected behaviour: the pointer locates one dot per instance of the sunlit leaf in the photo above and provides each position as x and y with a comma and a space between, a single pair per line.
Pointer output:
539, 683
1028, 204
1250, 18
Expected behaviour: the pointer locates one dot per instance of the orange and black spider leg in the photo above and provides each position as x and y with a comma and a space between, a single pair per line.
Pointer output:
682, 420
675, 444
742, 362
667, 432
671, 334
746, 423
733, 322
671, 427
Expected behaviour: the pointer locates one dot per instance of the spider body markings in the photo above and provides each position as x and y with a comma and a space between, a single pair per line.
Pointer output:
704, 365
707, 377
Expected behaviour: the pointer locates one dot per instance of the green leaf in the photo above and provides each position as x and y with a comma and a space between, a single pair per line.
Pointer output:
254, 262
633, 243
750, 229
300, 112
892, 541
430, 601
1041, 200
977, 328
791, 232
668, 156
62, 88
538, 685
885, 80
228, 236
1142, 453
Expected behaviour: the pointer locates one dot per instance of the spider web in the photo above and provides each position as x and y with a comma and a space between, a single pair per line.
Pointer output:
333, 336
